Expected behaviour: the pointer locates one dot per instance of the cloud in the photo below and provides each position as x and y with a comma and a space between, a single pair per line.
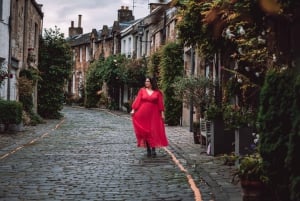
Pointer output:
95, 13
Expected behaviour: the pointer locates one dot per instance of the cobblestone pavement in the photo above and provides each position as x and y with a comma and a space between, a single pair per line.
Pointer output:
92, 155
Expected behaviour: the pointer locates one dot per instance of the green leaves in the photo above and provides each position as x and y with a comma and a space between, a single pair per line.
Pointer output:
115, 71
194, 88
55, 62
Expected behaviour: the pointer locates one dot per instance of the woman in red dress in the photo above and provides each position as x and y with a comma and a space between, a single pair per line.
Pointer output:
148, 118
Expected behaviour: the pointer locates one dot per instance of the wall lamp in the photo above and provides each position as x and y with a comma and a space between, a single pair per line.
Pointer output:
141, 30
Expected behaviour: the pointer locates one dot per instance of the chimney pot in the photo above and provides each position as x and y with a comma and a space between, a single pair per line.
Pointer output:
72, 24
79, 21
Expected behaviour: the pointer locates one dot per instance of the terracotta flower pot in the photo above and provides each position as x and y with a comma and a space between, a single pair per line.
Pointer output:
252, 190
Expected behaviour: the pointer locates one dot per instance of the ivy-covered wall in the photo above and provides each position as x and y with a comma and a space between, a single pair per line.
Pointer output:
171, 65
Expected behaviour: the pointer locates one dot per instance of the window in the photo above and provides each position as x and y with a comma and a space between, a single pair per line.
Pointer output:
87, 53
80, 54
129, 47
1, 9
1, 62
36, 35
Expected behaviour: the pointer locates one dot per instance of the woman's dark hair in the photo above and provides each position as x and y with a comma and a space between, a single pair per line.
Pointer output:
153, 83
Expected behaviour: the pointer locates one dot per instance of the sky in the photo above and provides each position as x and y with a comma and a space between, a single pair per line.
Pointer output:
95, 13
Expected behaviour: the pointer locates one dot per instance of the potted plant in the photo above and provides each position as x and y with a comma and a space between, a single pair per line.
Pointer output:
213, 111
193, 88
230, 159
251, 176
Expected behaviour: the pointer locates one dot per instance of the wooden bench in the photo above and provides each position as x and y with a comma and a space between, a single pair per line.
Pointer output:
205, 131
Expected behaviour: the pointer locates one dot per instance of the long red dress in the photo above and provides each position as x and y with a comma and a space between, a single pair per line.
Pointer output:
147, 120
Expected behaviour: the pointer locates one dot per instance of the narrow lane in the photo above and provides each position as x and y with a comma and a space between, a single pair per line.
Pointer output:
91, 156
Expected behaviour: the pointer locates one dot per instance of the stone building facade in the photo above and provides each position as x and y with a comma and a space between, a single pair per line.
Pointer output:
4, 44
26, 27
91, 46
124, 37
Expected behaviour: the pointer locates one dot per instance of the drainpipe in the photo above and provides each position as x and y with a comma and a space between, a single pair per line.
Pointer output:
25, 34
191, 100
9, 52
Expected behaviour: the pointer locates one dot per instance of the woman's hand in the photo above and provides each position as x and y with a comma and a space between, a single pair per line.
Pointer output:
163, 116
132, 112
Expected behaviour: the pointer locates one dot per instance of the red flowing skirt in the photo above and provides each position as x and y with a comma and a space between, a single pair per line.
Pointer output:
148, 123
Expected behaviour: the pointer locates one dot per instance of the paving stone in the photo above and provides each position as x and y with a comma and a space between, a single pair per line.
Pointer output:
92, 155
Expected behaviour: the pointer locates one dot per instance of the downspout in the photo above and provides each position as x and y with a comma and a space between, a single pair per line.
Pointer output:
9, 52
191, 100
25, 50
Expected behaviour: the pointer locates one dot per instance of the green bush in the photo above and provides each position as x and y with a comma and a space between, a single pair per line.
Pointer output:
171, 67
10, 113
55, 66
292, 163
279, 132
94, 82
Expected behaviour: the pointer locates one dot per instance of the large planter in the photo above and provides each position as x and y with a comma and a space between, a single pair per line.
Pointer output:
197, 137
221, 140
243, 141
196, 132
251, 190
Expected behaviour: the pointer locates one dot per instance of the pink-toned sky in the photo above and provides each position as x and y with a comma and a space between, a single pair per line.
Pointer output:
95, 13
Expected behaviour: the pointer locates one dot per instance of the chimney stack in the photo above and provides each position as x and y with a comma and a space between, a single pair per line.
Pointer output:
124, 14
79, 21
73, 31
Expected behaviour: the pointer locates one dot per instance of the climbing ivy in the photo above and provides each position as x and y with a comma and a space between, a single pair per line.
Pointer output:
171, 65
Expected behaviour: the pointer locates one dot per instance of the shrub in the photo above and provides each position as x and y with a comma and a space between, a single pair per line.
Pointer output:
171, 67
10, 113
278, 117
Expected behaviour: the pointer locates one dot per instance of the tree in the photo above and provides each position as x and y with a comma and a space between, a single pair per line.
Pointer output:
193, 88
55, 62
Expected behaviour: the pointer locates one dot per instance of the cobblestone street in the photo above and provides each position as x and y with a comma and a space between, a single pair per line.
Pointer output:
91, 155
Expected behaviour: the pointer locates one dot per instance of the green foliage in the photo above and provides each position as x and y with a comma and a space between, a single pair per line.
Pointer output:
187, 88
171, 67
55, 62
276, 129
292, 163
94, 83
115, 71
112, 70
26, 82
10, 112
214, 111
153, 67
251, 168
31, 74
135, 72
236, 117
193, 30
3, 75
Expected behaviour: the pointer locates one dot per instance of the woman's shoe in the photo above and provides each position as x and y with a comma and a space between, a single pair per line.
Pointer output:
148, 152
153, 152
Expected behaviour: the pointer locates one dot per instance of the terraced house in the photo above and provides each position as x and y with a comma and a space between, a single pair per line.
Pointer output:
20, 29
134, 38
